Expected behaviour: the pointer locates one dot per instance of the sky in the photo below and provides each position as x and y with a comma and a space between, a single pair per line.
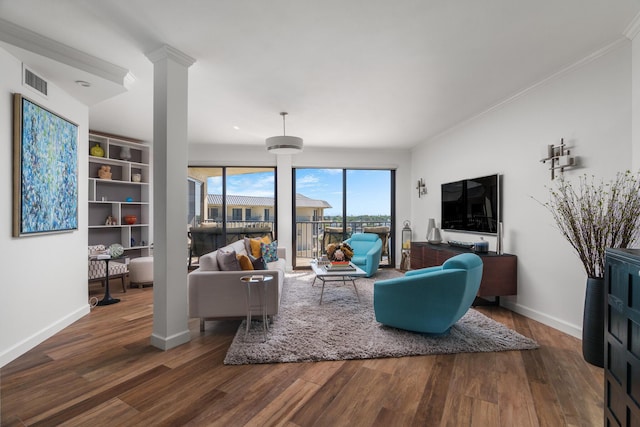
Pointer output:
368, 191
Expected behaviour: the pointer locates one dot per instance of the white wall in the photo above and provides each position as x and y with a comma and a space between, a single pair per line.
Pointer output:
211, 155
590, 107
635, 101
44, 278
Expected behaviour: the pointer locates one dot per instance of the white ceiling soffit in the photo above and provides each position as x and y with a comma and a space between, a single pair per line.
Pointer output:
65, 65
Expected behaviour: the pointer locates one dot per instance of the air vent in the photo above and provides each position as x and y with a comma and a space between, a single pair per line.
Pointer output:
34, 81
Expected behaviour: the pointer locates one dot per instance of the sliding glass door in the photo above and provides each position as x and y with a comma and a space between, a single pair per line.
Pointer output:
228, 203
332, 204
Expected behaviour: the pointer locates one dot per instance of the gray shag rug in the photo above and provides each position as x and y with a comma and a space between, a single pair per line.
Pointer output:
343, 328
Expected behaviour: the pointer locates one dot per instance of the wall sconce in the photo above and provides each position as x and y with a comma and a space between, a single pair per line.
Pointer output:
421, 187
559, 157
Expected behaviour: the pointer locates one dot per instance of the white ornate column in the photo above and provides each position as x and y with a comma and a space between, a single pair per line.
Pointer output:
170, 96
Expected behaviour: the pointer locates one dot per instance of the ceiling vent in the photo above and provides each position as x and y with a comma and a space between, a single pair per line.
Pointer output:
34, 81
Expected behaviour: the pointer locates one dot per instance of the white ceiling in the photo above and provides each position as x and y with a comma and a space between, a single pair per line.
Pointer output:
357, 73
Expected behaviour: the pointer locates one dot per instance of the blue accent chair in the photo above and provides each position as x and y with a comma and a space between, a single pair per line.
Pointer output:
429, 300
367, 248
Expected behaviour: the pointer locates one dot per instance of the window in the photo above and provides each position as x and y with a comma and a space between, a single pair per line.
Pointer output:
236, 214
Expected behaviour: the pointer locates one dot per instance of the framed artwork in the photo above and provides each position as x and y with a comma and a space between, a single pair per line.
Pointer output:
45, 170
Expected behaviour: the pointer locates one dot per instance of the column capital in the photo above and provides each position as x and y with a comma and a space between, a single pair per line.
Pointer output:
168, 52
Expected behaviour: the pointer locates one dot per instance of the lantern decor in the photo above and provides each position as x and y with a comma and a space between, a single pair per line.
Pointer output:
406, 235
406, 245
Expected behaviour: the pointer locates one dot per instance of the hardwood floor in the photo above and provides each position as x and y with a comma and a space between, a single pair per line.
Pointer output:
102, 371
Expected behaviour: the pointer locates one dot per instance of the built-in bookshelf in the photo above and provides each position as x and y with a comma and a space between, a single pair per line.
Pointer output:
126, 193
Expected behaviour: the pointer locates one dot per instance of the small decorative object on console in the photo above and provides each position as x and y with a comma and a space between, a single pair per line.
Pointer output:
459, 244
482, 246
434, 236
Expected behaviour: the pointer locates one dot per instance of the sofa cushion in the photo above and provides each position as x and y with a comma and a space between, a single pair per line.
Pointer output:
269, 251
258, 263
256, 245
209, 262
245, 262
227, 260
237, 246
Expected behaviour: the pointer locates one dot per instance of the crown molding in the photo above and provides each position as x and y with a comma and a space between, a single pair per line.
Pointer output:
633, 28
49, 48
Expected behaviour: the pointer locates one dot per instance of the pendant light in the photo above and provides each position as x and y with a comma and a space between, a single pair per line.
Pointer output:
284, 144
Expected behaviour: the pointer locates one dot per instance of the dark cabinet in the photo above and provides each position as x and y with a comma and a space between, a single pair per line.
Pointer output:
499, 272
622, 338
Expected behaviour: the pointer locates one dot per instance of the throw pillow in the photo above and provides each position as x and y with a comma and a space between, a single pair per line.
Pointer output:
256, 248
269, 251
245, 262
227, 261
258, 263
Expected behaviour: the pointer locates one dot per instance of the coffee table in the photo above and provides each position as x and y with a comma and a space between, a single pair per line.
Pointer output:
336, 276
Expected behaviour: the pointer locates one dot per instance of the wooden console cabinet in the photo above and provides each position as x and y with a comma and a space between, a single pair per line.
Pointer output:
499, 272
622, 338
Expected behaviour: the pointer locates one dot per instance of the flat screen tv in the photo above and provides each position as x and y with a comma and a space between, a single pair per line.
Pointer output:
472, 205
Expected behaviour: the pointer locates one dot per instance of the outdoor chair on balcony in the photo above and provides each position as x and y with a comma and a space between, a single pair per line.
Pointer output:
334, 235
382, 232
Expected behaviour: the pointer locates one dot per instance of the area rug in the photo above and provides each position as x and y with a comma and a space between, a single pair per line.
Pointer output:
343, 328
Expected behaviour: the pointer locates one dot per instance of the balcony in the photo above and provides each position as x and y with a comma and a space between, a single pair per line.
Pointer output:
312, 238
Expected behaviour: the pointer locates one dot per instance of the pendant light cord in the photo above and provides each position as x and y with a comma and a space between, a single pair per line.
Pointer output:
284, 127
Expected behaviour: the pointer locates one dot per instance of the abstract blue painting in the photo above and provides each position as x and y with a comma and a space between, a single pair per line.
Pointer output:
45, 170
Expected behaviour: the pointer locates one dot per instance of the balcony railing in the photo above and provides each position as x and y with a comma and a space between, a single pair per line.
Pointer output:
312, 237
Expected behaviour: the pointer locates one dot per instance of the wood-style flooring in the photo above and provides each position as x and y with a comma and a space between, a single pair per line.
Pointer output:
102, 371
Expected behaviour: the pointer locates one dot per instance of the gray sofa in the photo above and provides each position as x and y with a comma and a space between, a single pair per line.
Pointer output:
217, 294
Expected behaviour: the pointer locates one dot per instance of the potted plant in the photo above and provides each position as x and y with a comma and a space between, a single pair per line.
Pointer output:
594, 215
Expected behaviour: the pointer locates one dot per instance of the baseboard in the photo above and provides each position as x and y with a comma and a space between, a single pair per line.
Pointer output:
561, 325
166, 343
28, 343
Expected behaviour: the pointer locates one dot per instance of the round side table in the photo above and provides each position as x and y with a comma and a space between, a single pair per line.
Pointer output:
260, 281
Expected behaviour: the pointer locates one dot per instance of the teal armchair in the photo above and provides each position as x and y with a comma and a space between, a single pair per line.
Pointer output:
367, 248
429, 300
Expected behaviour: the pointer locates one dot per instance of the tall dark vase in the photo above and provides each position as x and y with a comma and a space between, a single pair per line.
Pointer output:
593, 322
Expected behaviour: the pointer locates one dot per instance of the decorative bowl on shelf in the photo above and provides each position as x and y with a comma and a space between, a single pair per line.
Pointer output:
130, 219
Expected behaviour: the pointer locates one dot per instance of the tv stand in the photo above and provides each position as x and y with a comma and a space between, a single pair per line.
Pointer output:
499, 272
